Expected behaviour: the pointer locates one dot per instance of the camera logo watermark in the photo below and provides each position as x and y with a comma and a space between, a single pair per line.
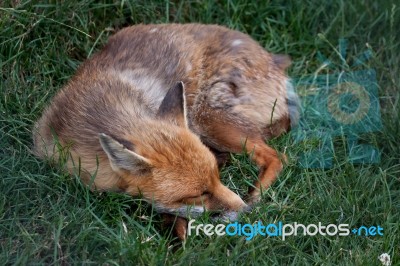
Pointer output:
280, 229
344, 103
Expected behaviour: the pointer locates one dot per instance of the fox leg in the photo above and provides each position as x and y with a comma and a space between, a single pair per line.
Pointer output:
270, 166
226, 137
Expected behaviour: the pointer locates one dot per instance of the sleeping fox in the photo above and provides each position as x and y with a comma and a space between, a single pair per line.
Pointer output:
125, 117
238, 95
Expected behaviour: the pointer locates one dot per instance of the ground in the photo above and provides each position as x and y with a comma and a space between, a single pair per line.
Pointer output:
49, 217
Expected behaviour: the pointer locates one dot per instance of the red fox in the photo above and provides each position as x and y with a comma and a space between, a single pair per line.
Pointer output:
125, 118
238, 95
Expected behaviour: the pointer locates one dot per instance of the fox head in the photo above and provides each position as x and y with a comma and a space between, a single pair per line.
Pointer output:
169, 165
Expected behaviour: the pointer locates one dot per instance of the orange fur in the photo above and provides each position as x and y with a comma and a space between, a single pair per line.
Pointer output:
235, 93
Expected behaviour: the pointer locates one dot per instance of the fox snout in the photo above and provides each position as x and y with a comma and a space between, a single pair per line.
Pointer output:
223, 203
237, 206
228, 200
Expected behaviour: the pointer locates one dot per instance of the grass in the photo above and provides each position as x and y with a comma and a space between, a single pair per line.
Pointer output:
48, 217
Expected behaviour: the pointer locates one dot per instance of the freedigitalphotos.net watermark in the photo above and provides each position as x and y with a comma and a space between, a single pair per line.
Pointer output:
279, 229
342, 103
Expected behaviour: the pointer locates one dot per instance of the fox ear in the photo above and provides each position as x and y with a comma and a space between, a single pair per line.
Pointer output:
173, 107
122, 158
282, 61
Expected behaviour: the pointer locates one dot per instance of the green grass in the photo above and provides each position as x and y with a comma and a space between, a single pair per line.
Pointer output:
48, 217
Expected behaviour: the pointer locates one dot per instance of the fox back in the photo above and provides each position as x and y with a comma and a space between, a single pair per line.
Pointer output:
228, 76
